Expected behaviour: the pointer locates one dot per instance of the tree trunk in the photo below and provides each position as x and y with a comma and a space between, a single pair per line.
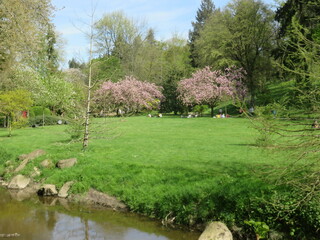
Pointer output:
42, 116
211, 107
9, 126
87, 116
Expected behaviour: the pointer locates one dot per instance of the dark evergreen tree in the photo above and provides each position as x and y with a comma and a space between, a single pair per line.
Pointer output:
73, 63
204, 12
172, 103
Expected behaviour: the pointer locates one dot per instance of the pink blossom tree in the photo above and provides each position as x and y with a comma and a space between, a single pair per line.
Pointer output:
129, 95
208, 87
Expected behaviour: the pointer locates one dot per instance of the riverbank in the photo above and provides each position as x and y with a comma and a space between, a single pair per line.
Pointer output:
181, 171
49, 218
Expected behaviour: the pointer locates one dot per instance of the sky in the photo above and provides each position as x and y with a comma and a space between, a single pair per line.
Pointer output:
166, 17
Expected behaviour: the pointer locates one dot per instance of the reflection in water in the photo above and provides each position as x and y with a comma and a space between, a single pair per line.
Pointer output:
38, 219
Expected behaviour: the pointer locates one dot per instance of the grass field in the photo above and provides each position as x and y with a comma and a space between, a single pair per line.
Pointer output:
192, 170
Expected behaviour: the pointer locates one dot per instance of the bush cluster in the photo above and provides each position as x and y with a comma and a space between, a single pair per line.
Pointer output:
48, 120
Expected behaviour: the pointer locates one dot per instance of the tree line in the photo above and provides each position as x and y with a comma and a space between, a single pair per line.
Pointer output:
269, 45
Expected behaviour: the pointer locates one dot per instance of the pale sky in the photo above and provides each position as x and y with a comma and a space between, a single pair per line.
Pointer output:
164, 16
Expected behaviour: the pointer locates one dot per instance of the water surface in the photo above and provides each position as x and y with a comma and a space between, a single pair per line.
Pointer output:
56, 219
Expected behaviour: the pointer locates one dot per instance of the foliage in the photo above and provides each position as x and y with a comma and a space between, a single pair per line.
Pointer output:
126, 48
74, 63
200, 109
5, 156
171, 102
177, 67
75, 129
260, 228
107, 68
115, 32
46, 120
129, 95
203, 14
297, 52
26, 36
242, 35
57, 94
12, 103
39, 111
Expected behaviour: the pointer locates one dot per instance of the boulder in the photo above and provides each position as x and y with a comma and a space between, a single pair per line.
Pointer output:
47, 190
216, 231
47, 163
25, 193
32, 155
66, 163
3, 183
63, 193
28, 157
98, 198
19, 182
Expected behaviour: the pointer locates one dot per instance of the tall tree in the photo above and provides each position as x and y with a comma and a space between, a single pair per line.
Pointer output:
298, 33
204, 12
91, 36
243, 35
24, 27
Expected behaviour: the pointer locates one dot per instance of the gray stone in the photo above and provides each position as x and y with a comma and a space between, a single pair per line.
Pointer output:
63, 193
98, 198
66, 163
32, 155
25, 193
3, 183
36, 172
19, 182
47, 190
28, 157
216, 231
47, 163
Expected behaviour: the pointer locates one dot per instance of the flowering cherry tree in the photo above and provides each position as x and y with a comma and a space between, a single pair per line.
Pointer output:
209, 87
129, 95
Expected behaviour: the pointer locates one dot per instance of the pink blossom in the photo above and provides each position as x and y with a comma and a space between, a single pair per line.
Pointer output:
129, 94
209, 87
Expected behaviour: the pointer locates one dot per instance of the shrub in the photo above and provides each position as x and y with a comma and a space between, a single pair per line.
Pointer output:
48, 120
39, 111
4, 157
200, 109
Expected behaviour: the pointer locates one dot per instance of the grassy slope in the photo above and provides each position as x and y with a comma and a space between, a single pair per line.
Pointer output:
192, 169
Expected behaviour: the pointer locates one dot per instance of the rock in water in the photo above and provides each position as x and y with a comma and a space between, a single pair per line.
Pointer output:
216, 231
63, 193
19, 182
47, 190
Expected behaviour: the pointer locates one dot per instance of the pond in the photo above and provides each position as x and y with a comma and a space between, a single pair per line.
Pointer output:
52, 219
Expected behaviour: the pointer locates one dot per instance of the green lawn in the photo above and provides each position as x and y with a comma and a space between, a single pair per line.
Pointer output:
195, 169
